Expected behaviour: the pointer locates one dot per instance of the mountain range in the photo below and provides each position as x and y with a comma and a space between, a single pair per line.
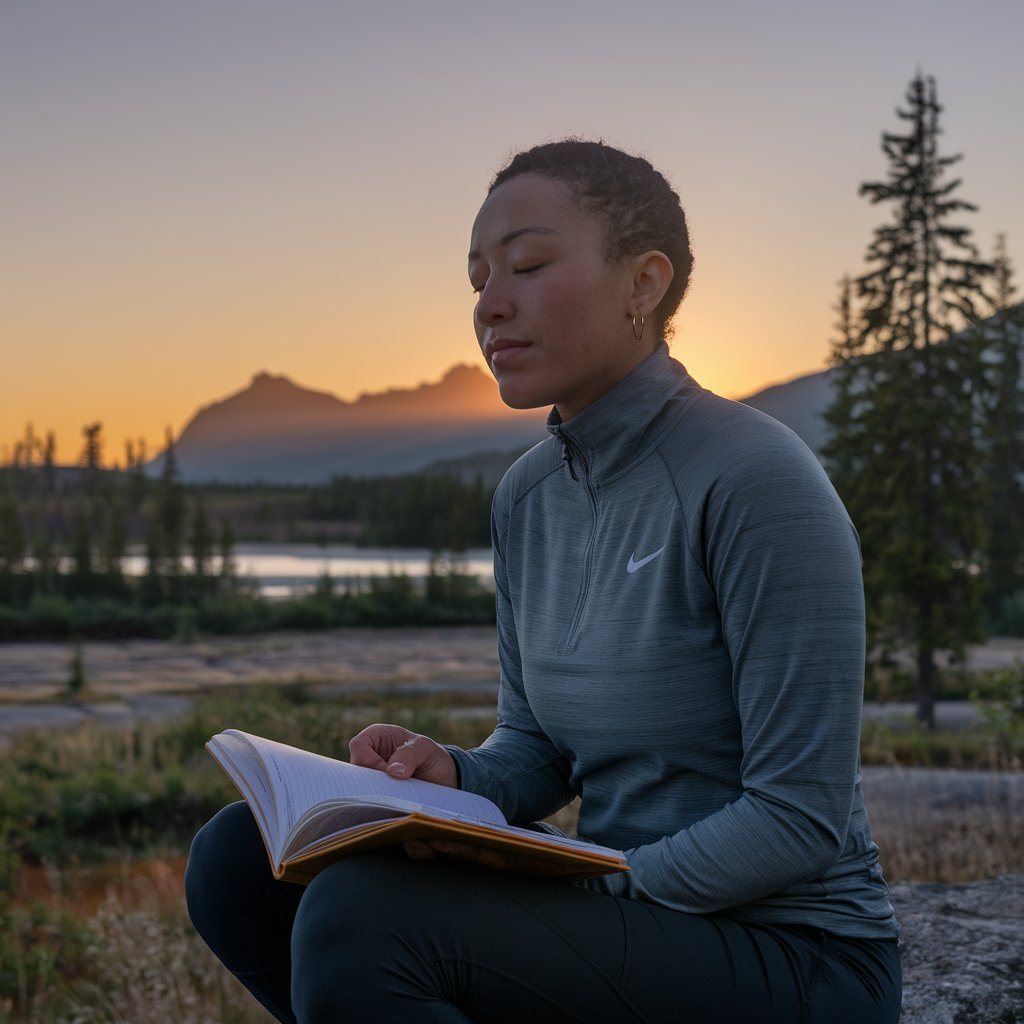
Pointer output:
275, 431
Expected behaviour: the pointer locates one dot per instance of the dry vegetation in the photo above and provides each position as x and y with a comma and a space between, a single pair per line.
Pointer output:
948, 827
132, 962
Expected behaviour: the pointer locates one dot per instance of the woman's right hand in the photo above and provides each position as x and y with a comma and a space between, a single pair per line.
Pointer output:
403, 755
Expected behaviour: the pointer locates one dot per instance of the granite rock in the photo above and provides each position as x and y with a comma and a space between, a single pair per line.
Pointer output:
963, 951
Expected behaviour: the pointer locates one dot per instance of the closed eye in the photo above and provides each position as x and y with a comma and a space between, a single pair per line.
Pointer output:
530, 269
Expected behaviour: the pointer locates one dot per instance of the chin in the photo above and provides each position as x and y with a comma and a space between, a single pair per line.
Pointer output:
516, 399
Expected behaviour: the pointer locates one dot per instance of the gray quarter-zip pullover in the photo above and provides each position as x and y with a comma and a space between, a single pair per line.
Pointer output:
681, 640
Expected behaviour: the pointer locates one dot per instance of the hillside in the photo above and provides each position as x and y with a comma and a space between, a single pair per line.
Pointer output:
800, 404
276, 431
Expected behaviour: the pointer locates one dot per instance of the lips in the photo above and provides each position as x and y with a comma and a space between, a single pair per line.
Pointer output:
496, 347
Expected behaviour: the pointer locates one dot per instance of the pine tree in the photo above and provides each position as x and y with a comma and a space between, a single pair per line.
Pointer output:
170, 518
82, 580
91, 458
49, 458
47, 565
46, 571
135, 468
201, 547
226, 555
151, 586
905, 450
845, 409
12, 534
1004, 336
115, 545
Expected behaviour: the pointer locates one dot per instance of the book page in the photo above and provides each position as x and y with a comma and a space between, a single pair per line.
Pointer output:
300, 780
339, 816
239, 759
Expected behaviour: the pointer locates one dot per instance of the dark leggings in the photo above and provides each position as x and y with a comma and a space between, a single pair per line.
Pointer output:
385, 938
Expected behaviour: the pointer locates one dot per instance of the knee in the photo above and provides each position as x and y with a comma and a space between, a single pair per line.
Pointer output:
226, 862
346, 896
351, 937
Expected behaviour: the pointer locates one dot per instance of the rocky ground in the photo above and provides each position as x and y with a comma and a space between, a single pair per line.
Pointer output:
963, 952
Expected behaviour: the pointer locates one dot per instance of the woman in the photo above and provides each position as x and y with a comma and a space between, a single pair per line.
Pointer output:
681, 640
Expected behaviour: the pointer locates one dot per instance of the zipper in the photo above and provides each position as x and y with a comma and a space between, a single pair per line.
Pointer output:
567, 455
571, 455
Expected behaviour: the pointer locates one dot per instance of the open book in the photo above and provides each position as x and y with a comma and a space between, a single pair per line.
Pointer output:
312, 809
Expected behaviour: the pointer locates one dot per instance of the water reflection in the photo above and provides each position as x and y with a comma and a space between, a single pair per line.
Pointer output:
282, 570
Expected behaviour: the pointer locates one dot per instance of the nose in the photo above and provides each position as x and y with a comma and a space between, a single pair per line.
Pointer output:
494, 304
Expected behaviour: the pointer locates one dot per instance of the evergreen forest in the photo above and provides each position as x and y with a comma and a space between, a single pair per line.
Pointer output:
65, 533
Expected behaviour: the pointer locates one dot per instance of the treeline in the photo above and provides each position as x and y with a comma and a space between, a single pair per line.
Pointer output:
65, 536
66, 533
438, 512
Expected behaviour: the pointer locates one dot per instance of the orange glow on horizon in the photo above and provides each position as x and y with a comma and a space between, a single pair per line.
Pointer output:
191, 357
131, 416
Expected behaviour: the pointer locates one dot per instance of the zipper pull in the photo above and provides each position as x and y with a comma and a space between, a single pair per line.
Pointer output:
567, 456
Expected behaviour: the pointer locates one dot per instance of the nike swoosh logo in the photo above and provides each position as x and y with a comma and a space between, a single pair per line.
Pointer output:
632, 566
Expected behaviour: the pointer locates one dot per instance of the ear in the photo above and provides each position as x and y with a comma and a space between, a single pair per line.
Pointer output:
652, 274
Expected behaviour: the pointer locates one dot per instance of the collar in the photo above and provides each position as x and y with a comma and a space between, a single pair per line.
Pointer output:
612, 432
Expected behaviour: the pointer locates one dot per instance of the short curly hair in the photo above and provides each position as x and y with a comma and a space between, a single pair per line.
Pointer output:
641, 208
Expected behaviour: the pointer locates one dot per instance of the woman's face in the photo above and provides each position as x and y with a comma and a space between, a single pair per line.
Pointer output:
553, 318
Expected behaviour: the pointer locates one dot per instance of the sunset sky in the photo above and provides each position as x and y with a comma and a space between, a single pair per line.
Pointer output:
197, 190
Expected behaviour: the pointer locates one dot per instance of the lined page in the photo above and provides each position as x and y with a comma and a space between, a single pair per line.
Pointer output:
302, 779
239, 759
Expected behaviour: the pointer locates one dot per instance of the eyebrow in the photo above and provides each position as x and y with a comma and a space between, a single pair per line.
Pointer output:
513, 235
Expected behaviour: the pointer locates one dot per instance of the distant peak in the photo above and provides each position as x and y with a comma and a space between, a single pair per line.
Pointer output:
463, 371
276, 387
462, 378
264, 379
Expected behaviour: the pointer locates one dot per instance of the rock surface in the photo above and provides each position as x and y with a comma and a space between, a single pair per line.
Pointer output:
963, 951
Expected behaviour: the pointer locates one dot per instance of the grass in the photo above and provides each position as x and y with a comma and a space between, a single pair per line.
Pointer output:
94, 824
971, 827
136, 958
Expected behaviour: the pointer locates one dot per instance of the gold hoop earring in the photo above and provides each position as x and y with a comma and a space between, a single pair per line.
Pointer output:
638, 332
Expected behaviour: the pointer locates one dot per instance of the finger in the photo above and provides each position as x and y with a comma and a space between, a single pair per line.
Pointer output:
366, 757
363, 753
406, 759
372, 747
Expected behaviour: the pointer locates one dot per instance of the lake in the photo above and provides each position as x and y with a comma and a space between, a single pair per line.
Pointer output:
284, 570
